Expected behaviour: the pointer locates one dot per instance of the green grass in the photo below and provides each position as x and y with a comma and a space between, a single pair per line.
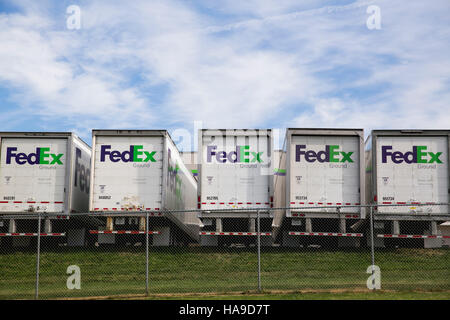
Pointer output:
108, 272
377, 295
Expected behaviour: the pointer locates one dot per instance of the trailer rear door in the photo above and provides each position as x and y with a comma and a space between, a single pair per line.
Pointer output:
33, 174
412, 169
320, 173
235, 171
127, 173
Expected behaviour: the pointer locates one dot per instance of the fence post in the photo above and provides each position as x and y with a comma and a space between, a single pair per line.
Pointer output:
146, 253
258, 236
372, 245
38, 253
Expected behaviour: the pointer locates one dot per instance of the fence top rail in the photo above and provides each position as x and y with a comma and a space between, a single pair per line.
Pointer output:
162, 212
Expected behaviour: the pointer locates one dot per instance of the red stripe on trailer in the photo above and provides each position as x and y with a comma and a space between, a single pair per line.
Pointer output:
412, 236
122, 232
58, 202
233, 203
329, 203
327, 234
408, 203
31, 234
212, 233
298, 214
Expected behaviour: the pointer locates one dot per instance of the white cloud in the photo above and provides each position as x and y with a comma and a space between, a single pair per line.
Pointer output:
156, 63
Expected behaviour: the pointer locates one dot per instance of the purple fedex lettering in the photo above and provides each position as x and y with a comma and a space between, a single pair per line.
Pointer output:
104, 151
10, 154
22, 158
222, 156
311, 155
398, 156
116, 156
210, 152
299, 151
235, 153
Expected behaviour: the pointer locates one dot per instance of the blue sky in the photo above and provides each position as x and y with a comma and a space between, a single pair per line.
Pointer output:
225, 64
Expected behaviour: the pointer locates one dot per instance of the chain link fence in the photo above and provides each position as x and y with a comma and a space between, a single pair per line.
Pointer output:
48, 256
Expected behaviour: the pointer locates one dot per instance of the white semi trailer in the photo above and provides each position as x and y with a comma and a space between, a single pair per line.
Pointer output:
46, 173
235, 173
142, 170
324, 168
408, 168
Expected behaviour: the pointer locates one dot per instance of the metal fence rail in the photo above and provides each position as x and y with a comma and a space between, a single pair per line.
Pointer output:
301, 253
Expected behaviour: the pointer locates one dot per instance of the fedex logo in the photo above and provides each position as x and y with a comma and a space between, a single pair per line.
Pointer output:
418, 154
41, 156
82, 173
330, 154
134, 154
242, 154
174, 180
